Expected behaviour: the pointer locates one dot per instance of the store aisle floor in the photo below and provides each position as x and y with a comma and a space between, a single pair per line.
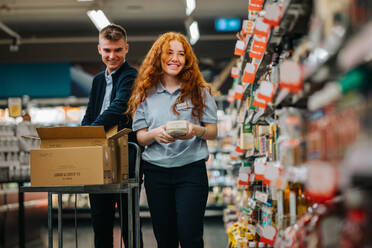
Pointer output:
214, 234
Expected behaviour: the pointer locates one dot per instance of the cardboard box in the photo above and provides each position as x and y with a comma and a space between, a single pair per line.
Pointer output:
79, 156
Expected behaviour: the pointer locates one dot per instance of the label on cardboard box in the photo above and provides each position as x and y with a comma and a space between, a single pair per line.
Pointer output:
70, 166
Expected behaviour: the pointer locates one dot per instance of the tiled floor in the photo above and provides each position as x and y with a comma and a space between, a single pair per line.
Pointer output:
214, 234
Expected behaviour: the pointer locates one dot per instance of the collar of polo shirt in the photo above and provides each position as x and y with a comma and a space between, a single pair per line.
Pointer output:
160, 88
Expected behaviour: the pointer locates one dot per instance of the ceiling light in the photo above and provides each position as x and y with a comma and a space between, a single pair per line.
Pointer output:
85, 0
98, 18
194, 32
190, 6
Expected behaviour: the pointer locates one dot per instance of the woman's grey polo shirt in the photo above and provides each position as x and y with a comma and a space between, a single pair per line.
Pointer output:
156, 110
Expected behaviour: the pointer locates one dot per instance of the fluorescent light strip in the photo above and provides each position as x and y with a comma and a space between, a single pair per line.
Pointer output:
98, 18
190, 6
194, 32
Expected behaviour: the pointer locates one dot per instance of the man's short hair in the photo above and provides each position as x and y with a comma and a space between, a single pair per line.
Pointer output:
113, 32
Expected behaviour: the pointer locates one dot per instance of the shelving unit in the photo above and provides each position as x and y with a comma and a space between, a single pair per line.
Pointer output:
298, 114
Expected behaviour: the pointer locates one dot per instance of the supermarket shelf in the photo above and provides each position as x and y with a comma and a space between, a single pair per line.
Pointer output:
219, 167
219, 150
235, 162
84, 213
216, 206
67, 101
16, 181
221, 184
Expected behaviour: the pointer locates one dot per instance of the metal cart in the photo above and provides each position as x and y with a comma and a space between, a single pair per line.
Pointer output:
127, 188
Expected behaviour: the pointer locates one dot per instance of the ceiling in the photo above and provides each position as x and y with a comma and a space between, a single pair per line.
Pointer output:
60, 30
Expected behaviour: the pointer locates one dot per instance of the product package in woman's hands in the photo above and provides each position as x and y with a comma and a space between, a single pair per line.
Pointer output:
176, 128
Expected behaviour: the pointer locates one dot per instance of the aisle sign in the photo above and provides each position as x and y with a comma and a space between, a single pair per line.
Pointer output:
227, 24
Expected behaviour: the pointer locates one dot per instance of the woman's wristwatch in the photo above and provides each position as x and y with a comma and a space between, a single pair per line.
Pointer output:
202, 134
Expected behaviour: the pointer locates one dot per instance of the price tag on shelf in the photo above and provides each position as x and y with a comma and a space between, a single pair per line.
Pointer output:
249, 73
230, 96
239, 151
251, 229
322, 182
259, 229
256, 55
261, 196
249, 153
255, 5
271, 174
259, 169
239, 90
241, 115
254, 8
257, 2
272, 14
251, 203
247, 27
291, 76
268, 235
235, 71
239, 48
266, 91
244, 173
259, 103
281, 181
257, 47
261, 28
260, 40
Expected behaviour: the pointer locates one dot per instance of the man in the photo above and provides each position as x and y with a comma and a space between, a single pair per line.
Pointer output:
111, 90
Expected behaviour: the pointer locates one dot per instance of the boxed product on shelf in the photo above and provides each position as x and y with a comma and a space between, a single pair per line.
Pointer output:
79, 156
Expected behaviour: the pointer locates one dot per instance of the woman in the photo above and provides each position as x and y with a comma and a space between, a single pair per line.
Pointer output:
170, 87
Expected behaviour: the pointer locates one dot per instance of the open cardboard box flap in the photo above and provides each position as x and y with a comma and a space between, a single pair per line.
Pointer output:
57, 137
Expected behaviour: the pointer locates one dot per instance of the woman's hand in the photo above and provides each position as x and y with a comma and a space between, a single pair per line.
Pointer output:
161, 136
192, 131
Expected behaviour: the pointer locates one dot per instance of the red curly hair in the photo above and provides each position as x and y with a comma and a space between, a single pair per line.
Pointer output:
151, 71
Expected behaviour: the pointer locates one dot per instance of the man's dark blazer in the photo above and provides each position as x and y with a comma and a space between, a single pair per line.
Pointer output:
123, 80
